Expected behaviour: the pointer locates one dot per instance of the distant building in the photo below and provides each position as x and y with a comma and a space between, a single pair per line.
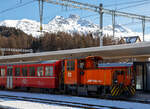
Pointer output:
132, 39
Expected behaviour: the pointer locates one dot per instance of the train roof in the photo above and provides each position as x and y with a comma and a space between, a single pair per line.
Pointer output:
85, 57
115, 65
48, 61
31, 62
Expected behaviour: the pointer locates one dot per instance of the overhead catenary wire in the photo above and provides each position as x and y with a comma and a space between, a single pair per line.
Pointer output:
133, 6
101, 10
16, 6
94, 8
90, 15
125, 3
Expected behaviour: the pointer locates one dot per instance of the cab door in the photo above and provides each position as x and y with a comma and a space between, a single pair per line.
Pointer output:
10, 77
71, 73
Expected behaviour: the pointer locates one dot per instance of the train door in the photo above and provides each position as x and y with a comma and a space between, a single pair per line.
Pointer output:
71, 75
10, 77
148, 76
81, 68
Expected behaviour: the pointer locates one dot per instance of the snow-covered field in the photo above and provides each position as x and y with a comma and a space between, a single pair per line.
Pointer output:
32, 105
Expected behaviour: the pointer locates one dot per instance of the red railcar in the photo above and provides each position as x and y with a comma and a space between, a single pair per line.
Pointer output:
32, 74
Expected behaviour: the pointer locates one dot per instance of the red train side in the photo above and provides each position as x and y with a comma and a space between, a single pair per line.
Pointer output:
35, 75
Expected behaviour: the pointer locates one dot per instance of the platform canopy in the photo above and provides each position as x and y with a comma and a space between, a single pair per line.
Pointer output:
141, 49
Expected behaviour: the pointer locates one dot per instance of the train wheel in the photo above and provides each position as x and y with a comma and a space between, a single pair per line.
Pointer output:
2, 87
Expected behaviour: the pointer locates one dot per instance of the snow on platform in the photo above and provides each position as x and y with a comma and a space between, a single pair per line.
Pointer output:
93, 101
141, 96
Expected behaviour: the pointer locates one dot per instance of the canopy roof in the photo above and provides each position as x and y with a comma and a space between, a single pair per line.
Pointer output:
141, 49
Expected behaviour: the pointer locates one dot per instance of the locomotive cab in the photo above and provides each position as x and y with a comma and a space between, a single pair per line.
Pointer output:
76, 75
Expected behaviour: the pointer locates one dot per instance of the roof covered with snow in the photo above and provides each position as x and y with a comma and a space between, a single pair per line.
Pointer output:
132, 39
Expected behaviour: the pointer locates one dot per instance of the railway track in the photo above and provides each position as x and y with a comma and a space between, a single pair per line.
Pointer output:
74, 104
58, 102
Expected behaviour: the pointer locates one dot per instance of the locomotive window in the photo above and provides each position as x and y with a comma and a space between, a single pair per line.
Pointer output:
70, 65
40, 71
24, 71
32, 71
2, 71
17, 71
81, 64
49, 71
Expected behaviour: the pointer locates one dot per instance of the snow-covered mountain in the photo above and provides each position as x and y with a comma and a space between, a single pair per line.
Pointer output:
72, 24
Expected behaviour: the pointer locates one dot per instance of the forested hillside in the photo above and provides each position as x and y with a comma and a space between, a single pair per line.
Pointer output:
15, 38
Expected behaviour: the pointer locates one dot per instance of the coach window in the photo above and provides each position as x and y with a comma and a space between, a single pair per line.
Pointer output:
40, 71
3, 71
17, 71
32, 71
49, 71
70, 65
129, 71
24, 71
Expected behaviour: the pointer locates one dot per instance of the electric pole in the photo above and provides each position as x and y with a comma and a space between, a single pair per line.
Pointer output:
41, 14
101, 24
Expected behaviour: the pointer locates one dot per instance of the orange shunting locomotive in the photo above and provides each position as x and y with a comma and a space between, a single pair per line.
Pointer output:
89, 75
79, 76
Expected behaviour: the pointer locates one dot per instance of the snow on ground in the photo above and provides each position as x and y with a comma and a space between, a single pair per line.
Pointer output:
94, 101
16, 104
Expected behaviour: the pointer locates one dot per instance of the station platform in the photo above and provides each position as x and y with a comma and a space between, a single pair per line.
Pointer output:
141, 96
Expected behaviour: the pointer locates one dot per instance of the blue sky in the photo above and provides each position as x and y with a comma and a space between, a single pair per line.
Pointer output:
31, 11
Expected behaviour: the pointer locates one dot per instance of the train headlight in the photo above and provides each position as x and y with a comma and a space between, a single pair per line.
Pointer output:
115, 81
133, 82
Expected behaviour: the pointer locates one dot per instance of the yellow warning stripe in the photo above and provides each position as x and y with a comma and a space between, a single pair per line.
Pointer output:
115, 91
121, 90
132, 90
129, 90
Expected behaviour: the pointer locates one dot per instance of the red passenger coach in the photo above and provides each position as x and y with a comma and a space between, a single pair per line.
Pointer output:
44, 74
